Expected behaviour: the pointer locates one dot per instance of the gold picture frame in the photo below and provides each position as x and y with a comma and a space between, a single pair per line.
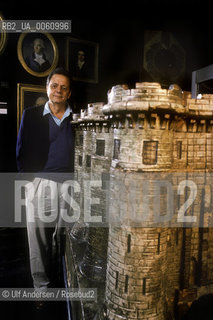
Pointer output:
29, 95
3, 37
26, 53
89, 51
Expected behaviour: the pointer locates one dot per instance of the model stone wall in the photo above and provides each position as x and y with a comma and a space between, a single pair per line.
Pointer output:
146, 270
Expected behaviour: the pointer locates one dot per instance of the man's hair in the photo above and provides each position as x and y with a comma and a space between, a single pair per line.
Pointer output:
40, 41
61, 71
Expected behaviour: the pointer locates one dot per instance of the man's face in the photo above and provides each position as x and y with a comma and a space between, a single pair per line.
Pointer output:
38, 47
81, 56
58, 89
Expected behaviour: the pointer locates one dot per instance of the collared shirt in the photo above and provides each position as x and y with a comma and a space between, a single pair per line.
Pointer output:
80, 64
57, 120
39, 58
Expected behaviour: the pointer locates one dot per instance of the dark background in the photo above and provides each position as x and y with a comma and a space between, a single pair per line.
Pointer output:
118, 28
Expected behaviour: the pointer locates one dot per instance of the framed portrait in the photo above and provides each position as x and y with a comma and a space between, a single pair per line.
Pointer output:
163, 57
29, 95
3, 37
82, 60
37, 53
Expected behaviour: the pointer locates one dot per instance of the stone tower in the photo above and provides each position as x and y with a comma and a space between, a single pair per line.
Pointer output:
154, 148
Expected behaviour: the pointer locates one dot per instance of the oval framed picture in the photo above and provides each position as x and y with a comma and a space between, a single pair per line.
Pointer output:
37, 53
3, 37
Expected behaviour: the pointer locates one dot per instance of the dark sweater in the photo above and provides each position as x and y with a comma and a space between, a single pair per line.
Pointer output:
60, 149
42, 146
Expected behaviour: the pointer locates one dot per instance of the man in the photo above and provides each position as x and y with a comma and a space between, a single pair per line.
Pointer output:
81, 68
37, 61
45, 148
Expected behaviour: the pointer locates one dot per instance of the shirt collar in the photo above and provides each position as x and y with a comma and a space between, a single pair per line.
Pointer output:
47, 110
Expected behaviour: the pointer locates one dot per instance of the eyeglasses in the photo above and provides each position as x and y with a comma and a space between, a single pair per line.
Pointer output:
54, 86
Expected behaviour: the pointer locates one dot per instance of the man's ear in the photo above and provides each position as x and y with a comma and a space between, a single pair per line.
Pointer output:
70, 94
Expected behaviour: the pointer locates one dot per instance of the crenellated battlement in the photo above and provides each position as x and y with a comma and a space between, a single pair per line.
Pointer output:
144, 97
139, 106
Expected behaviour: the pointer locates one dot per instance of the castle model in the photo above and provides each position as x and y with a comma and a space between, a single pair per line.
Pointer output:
144, 240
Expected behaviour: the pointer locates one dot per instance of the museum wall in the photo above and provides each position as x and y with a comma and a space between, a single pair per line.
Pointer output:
148, 47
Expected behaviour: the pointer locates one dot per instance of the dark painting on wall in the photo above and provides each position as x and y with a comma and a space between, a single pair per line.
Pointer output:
29, 95
82, 60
